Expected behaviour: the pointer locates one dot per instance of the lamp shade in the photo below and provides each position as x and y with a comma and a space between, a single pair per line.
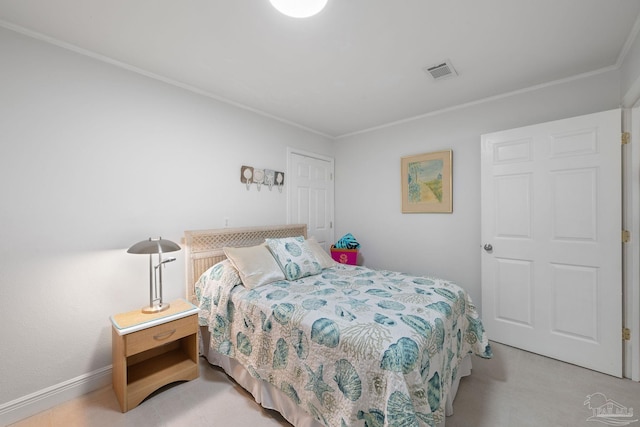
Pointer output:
299, 8
153, 246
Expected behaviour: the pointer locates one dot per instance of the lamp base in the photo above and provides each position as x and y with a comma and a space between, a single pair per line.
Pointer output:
155, 308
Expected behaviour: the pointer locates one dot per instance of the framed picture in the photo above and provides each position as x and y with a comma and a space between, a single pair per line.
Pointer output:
427, 183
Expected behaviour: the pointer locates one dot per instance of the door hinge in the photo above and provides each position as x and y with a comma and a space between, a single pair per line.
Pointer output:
626, 137
626, 334
330, 224
626, 236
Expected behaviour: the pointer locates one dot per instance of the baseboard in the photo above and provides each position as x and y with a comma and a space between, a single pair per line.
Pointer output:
49, 397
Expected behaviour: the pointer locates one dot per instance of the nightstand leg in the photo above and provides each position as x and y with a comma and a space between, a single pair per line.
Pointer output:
119, 370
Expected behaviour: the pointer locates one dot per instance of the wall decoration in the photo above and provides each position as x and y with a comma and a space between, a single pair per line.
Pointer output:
269, 178
250, 175
280, 180
427, 183
258, 177
246, 175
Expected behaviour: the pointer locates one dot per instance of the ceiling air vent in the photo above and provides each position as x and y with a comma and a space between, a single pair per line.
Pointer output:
441, 71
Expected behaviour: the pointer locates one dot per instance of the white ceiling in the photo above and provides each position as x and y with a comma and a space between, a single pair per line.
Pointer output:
355, 66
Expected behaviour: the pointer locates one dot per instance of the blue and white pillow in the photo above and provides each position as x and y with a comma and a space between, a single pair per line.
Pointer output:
221, 275
295, 258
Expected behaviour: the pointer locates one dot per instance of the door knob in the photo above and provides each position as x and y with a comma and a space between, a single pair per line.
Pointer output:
488, 247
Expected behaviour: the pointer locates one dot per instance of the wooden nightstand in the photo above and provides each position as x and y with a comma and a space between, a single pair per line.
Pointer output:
153, 350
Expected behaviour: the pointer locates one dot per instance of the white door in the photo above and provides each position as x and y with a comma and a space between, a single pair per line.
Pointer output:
551, 235
311, 195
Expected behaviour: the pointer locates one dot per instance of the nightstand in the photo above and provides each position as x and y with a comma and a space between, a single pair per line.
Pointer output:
153, 350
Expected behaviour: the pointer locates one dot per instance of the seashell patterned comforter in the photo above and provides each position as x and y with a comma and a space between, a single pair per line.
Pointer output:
351, 346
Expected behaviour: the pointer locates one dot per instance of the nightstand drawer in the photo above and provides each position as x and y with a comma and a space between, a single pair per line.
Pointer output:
161, 334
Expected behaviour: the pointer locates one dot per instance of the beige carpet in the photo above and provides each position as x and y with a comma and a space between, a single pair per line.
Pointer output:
514, 389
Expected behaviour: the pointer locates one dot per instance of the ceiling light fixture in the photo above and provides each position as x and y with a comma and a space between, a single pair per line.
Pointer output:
299, 8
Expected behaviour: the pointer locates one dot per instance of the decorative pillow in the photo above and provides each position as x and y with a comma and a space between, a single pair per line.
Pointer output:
321, 255
222, 274
294, 257
255, 264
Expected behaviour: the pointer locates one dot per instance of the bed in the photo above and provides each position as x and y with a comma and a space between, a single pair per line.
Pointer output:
329, 344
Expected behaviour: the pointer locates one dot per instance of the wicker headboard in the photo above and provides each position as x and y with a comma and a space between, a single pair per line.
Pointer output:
203, 248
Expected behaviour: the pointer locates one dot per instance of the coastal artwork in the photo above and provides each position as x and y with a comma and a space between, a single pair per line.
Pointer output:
426, 183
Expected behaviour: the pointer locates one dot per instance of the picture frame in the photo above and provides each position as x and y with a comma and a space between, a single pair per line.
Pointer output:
427, 182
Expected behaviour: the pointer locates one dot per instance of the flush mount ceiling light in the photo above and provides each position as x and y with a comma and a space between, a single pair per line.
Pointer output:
299, 8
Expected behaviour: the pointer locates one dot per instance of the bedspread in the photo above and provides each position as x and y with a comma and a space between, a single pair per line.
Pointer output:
352, 346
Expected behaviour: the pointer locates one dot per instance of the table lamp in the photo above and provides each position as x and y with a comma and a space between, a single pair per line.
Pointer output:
151, 247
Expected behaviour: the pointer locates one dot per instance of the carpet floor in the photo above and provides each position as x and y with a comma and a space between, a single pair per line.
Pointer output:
514, 389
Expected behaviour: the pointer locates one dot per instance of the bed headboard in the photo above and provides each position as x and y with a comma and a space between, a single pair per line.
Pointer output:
203, 248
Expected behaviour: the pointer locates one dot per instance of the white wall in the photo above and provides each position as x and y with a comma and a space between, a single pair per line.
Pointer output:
93, 159
630, 70
368, 202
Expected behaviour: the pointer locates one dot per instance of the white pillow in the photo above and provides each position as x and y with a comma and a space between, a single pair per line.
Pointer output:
255, 264
294, 257
321, 255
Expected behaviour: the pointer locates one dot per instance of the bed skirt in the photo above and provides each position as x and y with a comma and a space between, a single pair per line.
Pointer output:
272, 398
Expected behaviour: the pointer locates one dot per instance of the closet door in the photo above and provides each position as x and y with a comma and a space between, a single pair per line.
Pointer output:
551, 237
310, 194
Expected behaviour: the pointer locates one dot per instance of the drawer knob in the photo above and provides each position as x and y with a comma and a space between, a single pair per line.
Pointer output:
164, 335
